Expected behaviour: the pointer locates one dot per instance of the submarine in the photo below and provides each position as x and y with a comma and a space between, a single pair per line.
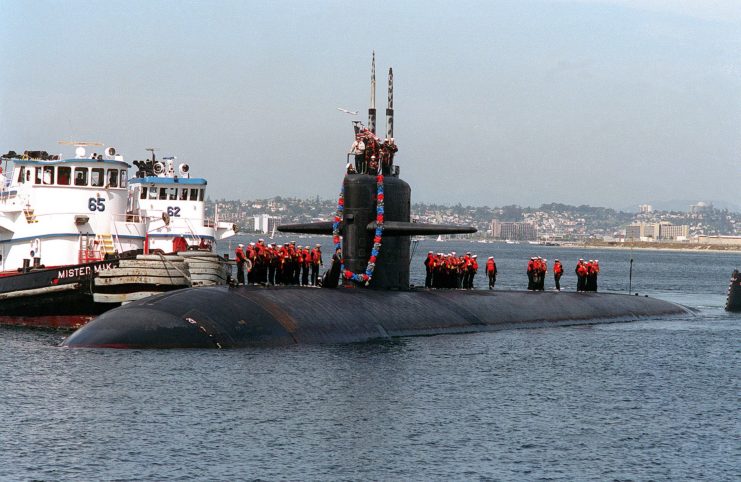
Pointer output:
366, 294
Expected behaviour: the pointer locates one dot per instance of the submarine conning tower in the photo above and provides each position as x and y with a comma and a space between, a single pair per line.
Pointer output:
358, 226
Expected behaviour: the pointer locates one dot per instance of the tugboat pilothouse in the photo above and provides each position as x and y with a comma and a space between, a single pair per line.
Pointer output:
173, 203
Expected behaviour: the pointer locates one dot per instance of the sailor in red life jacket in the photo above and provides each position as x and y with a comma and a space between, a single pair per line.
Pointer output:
316, 263
428, 269
581, 275
530, 273
474, 268
557, 273
251, 254
537, 273
283, 264
273, 263
305, 265
595, 270
491, 271
241, 259
295, 264
465, 271
591, 276
436, 264
543, 271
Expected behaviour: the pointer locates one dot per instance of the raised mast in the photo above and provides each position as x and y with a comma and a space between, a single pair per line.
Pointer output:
372, 109
390, 107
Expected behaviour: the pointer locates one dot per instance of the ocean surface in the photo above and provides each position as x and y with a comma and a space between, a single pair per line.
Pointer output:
648, 400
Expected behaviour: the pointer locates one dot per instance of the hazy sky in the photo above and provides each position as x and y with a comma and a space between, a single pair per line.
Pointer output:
602, 102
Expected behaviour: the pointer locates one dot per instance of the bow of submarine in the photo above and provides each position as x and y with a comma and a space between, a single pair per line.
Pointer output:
195, 318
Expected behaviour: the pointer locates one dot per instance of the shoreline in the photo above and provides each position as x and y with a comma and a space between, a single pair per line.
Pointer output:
703, 248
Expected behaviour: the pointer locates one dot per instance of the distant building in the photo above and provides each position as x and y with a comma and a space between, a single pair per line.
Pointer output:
514, 231
645, 208
655, 231
676, 232
701, 207
496, 228
720, 240
264, 223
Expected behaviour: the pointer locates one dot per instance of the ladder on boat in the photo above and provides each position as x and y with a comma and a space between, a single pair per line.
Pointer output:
106, 244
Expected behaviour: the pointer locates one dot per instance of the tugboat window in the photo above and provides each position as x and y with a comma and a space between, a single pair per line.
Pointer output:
153, 193
173, 193
97, 177
163, 193
113, 177
48, 174
194, 194
63, 175
144, 192
200, 198
37, 176
184, 194
81, 176
123, 178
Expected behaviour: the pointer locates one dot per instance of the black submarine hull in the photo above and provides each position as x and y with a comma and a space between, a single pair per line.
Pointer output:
224, 317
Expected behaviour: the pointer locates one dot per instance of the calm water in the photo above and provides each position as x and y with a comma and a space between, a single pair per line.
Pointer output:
650, 400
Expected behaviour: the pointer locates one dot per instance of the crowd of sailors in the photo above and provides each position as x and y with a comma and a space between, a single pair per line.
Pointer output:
586, 274
371, 153
259, 263
450, 270
270, 264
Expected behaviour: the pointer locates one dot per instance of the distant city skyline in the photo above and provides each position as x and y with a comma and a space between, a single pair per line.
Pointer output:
602, 102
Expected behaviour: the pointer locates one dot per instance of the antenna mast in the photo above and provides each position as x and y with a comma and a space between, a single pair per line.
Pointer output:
372, 109
390, 107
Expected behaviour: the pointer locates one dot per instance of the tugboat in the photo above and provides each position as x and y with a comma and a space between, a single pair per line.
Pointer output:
178, 247
66, 222
62, 221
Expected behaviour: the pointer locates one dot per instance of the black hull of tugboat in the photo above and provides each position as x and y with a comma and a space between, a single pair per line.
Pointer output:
58, 297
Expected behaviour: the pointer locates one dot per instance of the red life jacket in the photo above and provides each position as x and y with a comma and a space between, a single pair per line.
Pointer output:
557, 268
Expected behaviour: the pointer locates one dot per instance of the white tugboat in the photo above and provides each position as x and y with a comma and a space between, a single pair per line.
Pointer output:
66, 222
172, 203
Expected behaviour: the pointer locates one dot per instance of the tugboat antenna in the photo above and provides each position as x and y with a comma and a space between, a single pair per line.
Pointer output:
152, 149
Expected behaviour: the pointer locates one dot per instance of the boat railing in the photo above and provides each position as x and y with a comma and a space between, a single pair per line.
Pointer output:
117, 237
89, 255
